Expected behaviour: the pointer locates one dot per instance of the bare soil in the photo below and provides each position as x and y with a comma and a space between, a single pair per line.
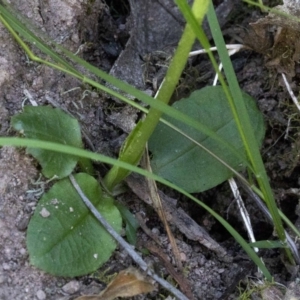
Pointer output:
134, 41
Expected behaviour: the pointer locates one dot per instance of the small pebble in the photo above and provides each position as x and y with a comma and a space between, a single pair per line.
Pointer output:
23, 223
2, 279
183, 256
23, 251
155, 231
6, 266
71, 287
40, 295
44, 213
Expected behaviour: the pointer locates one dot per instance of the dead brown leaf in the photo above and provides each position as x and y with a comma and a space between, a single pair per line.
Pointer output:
277, 37
127, 283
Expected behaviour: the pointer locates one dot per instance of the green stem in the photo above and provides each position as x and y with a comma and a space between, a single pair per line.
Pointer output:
14, 25
135, 143
18, 142
242, 119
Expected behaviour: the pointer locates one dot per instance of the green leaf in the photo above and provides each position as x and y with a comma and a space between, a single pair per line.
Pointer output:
63, 237
180, 161
268, 244
131, 223
53, 125
128, 153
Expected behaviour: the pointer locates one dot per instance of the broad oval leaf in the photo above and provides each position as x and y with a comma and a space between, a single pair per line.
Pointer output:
63, 237
52, 125
180, 161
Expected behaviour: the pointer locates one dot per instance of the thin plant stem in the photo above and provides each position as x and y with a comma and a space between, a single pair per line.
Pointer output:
233, 186
134, 255
245, 129
159, 105
266, 212
243, 211
23, 142
136, 141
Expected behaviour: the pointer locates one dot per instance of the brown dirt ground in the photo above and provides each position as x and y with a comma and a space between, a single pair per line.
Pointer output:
104, 33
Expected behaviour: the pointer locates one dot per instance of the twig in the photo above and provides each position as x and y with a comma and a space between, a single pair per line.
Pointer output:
217, 76
137, 258
288, 87
266, 212
142, 223
243, 210
235, 47
29, 97
177, 275
232, 49
244, 213
288, 127
157, 205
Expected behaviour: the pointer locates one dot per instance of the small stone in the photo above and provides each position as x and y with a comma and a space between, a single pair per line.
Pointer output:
183, 256
71, 287
2, 279
6, 266
44, 213
23, 251
273, 292
40, 294
155, 231
23, 223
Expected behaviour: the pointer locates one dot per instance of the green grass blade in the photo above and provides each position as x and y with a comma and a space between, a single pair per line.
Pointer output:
243, 123
136, 142
27, 34
237, 107
118, 83
19, 142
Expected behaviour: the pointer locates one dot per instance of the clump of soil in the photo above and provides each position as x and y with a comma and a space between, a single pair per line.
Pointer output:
135, 45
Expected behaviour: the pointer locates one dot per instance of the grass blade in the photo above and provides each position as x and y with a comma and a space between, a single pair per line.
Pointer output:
19, 142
